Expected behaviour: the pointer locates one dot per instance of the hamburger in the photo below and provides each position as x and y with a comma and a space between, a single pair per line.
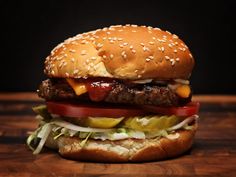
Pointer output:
117, 94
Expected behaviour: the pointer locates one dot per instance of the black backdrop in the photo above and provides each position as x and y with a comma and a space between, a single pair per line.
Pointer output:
32, 28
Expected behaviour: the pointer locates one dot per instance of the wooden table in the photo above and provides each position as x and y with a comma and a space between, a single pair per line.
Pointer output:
213, 153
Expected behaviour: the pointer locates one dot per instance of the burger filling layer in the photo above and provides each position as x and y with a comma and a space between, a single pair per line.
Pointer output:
105, 128
162, 93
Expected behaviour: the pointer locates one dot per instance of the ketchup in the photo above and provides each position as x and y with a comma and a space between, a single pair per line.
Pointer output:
98, 89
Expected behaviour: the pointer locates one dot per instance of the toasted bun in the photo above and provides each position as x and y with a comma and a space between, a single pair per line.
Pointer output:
124, 52
124, 150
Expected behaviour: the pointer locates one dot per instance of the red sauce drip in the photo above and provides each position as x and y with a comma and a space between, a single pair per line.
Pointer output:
98, 89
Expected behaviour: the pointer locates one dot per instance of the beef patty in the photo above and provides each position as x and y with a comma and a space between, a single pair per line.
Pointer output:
59, 89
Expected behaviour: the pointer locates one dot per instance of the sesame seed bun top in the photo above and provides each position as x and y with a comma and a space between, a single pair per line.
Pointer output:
125, 52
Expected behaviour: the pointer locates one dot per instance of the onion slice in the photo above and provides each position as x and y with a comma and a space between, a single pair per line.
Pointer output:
184, 122
47, 129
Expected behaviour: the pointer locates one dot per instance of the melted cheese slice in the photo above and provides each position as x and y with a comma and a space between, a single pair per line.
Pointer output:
183, 91
78, 87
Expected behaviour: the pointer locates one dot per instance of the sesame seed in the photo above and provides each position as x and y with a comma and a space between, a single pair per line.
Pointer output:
173, 62
190, 55
92, 38
104, 38
74, 43
148, 59
72, 60
136, 71
52, 72
93, 58
104, 56
157, 29
108, 32
151, 57
160, 40
134, 25
169, 45
59, 58
176, 43
175, 51
145, 49
119, 39
175, 36
153, 38
112, 41
167, 57
76, 71
112, 29
162, 49
60, 65
111, 56
123, 54
168, 32
121, 46
151, 43
83, 52
164, 36
177, 59
149, 28
134, 31
83, 42
133, 51
72, 50
142, 44
139, 76
120, 30
67, 74
125, 44
184, 49
131, 47
99, 45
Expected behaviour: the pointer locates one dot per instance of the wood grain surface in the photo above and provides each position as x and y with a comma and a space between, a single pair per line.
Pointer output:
213, 153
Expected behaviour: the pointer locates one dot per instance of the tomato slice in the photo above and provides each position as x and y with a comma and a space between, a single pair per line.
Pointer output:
182, 111
85, 110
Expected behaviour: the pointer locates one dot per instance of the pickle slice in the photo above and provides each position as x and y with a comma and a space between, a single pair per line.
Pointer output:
151, 123
102, 122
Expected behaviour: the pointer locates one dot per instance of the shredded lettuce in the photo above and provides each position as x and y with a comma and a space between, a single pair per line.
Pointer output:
84, 141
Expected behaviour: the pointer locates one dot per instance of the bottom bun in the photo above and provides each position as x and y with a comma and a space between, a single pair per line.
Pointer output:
128, 150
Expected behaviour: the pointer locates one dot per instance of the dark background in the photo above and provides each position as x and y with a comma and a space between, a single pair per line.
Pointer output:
31, 29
